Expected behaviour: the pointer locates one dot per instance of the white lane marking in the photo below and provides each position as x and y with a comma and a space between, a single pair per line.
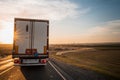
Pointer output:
57, 71
6, 70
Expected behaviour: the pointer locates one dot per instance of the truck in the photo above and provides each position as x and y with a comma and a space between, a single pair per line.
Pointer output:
30, 42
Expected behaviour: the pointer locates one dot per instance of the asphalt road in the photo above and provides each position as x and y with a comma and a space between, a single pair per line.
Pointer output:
31, 73
54, 70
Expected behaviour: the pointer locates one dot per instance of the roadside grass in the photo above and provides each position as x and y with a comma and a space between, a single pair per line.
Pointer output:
5, 50
102, 59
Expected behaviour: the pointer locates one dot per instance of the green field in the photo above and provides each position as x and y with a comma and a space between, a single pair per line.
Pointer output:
104, 59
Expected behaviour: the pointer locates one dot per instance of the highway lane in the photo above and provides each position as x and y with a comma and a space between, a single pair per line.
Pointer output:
77, 73
32, 73
54, 70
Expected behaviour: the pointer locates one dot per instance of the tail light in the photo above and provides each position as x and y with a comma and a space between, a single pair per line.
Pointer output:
43, 61
17, 61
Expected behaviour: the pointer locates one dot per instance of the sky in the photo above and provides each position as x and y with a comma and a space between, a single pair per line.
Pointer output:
71, 21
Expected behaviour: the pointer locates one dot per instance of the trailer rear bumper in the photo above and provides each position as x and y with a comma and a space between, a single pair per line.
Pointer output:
29, 64
30, 56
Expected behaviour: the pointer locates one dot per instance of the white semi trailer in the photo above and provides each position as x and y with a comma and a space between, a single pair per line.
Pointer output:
31, 42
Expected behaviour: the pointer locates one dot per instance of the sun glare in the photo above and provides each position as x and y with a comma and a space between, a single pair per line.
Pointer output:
6, 33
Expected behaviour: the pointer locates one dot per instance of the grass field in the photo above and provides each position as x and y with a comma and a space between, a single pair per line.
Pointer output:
5, 49
104, 59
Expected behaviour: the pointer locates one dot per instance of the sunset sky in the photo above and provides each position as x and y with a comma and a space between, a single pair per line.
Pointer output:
71, 21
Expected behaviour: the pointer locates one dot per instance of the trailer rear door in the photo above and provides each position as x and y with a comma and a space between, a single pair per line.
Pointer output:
40, 37
30, 36
22, 36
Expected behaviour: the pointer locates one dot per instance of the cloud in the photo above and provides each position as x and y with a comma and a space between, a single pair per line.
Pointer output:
107, 32
108, 27
5, 24
53, 10
6, 32
46, 9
